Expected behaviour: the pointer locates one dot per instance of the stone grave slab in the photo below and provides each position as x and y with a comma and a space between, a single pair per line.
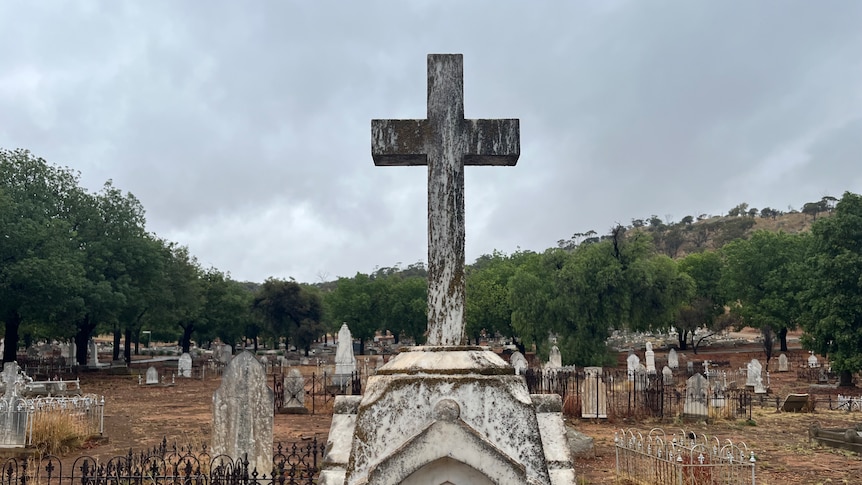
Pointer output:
672, 359
294, 393
696, 393
152, 376
783, 364
594, 398
795, 403
184, 365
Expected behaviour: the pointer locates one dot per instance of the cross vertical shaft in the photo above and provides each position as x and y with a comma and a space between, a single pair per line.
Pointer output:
445, 142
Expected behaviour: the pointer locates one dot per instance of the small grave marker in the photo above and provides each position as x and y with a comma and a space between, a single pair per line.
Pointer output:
696, 392
672, 359
795, 403
184, 365
152, 376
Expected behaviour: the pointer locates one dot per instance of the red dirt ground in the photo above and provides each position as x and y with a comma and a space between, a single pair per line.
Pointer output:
137, 417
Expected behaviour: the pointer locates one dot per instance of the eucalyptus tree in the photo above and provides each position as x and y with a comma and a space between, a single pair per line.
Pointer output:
41, 268
832, 299
290, 310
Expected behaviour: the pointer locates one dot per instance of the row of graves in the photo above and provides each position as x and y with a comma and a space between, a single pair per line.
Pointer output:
705, 390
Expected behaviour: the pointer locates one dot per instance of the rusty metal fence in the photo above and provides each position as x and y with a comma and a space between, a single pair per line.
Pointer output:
684, 458
293, 464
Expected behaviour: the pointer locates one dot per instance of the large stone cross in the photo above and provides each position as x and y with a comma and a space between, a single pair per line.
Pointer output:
445, 141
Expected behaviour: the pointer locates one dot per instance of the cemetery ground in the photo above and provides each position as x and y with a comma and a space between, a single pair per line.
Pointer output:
137, 417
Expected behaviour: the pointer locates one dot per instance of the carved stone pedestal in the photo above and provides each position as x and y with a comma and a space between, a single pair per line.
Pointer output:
447, 414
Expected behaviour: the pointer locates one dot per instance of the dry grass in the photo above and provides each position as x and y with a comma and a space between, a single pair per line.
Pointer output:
57, 433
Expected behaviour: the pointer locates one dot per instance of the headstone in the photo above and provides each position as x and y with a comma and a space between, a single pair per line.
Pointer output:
650, 359
783, 365
632, 363
812, 361
689, 366
345, 362
92, 354
518, 362
641, 378
759, 387
402, 428
224, 353
13, 412
594, 399
294, 393
696, 392
795, 403
184, 365
243, 414
152, 375
555, 360
265, 363
754, 369
667, 376
672, 359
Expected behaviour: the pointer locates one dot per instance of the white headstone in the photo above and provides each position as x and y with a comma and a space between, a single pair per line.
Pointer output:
667, 376
594, 399
672, 359
754, 370
632, 363
13, 414
696, 393
243, 414
518, 362
184, 365
224, 353
92, 354
759, 387
294, 393
783, 364
812, 361
555, 359
650, 358
152, 375
345, 361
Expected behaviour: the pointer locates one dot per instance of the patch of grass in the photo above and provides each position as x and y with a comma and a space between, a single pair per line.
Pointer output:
57, 433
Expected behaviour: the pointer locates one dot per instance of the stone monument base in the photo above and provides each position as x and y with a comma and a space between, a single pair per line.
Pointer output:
455, 415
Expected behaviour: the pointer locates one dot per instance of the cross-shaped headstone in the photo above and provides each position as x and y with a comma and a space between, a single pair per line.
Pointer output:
445, 141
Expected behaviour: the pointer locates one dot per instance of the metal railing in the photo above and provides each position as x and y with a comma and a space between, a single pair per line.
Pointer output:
683, 459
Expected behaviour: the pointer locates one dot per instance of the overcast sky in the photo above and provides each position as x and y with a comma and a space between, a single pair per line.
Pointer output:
244, 127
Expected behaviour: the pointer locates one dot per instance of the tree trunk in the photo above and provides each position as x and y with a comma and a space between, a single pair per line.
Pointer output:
845, 378
127, 346
681, 337
82, 338
396, 337
361, 346
782, 339
117, 336
10, 344
255, 344
186, 340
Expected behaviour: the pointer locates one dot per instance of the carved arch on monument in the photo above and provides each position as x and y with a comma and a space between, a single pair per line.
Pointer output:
426, 454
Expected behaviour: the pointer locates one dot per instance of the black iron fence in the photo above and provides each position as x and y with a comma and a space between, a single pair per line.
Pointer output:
320, 390
642, 395
293, 464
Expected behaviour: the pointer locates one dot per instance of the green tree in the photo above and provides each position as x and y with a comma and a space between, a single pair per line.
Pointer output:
360, 303
291, 311
41, 271
705, 307
832, 299
487, 308
760, 280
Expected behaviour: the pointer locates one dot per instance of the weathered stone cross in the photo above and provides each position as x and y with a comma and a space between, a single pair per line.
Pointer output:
445, 141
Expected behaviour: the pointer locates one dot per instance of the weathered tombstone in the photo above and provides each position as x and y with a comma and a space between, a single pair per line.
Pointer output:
650, 359
224, 353
518, 362
184, 365
667, 376
641, 378
377, 438
555, 360
243, 414
759, 387
632, 363
672, 359
152, 375
696, 392
812, 361
795, 403
294, 393
754, 370
689, 366
92, 354
13, 412
594, 399
345, 362
264, 361
783, 365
